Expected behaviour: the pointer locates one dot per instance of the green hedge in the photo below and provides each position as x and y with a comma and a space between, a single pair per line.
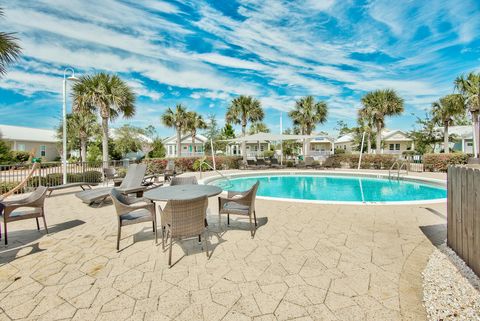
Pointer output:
440, 162
369, 161
158, 165
8, 186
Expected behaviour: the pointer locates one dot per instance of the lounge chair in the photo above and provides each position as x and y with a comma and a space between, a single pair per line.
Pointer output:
132, 183
109, 174
240, 203
131, 211
251, 164
83, 185
184, 219
185, 180
35, 202
171, 170
275, 164
310, 162
261, 164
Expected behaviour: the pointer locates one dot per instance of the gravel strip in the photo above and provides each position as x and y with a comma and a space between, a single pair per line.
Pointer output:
451, 291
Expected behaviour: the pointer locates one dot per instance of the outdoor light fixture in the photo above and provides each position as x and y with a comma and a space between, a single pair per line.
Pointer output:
64, 138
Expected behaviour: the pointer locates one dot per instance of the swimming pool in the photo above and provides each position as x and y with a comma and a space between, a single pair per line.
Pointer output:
333, 188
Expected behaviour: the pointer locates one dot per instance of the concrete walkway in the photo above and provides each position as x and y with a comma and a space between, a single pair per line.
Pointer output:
306, 262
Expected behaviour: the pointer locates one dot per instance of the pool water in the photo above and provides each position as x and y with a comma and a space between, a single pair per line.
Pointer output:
336, 188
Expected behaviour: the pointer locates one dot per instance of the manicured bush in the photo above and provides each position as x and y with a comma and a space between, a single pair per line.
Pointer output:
339, 151
369, 161
158, 165
20, 157
440, 162
54, 179
36, 181
8, 186
290, 164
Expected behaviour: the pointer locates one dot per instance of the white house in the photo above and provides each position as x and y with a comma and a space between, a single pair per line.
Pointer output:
396, 142
461, 139
345, 142
321, 145
43, 142
188, 148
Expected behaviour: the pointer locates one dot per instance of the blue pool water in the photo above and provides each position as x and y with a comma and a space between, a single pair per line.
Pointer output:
336, 188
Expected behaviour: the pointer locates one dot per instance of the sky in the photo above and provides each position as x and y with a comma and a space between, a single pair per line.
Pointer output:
204, 53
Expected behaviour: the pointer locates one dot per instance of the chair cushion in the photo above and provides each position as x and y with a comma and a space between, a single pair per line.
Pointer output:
234, 207
137, 216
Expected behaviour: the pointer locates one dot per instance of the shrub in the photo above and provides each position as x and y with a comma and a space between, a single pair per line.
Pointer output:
8, 186
338, 151
369, 161
440, 162
158, 165
36, 181
20, 157
54, 179
289, 164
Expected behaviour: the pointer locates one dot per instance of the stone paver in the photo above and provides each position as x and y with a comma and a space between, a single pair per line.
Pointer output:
307, 262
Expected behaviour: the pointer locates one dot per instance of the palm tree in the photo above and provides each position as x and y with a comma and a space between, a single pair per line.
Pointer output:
194, 121
242, 110
365, 122
9, 49
307, 114
176, 119
84, 125
258, 127
107, 94
443, 112
469, 87
381, 103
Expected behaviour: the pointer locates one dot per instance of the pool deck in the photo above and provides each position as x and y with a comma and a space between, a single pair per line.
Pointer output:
306, 262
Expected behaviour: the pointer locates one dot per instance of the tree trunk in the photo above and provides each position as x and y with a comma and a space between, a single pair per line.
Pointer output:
446, 148
105, 142
476, 134
83, 149
193, 144
179, 142
379, 138
369, 143
244, 144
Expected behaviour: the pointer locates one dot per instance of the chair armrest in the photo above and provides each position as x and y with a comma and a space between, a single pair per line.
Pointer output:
231, 194
240, 200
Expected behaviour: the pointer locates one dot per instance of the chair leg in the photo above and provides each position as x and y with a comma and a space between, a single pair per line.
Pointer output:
205, 239
6, 232
38, 225
155, 230
163, 237
228, 219
251, 225
199, 238
118, 236
255, 217
44, 221
170, 252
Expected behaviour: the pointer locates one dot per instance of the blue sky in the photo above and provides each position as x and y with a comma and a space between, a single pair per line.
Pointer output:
204, 53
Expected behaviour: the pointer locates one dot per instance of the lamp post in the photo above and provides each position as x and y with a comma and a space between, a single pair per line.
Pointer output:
64, 136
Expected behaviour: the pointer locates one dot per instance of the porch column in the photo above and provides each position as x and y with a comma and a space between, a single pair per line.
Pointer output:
463, 145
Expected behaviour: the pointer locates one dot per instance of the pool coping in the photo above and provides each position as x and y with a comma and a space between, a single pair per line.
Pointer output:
431, 181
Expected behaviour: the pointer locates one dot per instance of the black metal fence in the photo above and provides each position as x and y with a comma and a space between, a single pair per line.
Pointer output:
51, 173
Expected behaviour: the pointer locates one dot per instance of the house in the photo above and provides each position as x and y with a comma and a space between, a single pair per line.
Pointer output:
396, 142
461, 139
321, 145
188, 148
254, 149
43, 142
345, 142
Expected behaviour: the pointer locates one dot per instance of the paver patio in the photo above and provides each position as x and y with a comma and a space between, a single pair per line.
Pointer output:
306, 262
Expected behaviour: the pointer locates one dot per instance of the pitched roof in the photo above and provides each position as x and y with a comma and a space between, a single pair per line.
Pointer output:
395, 135
28, 134
344, 138
465, 132
185, 139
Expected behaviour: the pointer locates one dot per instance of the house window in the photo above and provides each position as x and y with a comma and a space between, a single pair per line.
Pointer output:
469, 144
344, 146
43, 150
21, 147
397, 146
262, 148
394, 146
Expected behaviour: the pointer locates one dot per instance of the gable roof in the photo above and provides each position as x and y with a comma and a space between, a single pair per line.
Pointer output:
396, 135
464, 132
185, 139
347, 138
28, 134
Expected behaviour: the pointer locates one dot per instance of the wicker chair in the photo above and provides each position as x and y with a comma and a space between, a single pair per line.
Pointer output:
240, 203
184, 219
186, 180
35, 201
109, 174
131, 210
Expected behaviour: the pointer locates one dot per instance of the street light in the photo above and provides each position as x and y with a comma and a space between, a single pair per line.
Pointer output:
64, 140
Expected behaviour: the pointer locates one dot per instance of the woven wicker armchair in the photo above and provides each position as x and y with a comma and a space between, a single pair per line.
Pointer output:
240, 203
186, 180
132, 210
35, 204
184, 219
